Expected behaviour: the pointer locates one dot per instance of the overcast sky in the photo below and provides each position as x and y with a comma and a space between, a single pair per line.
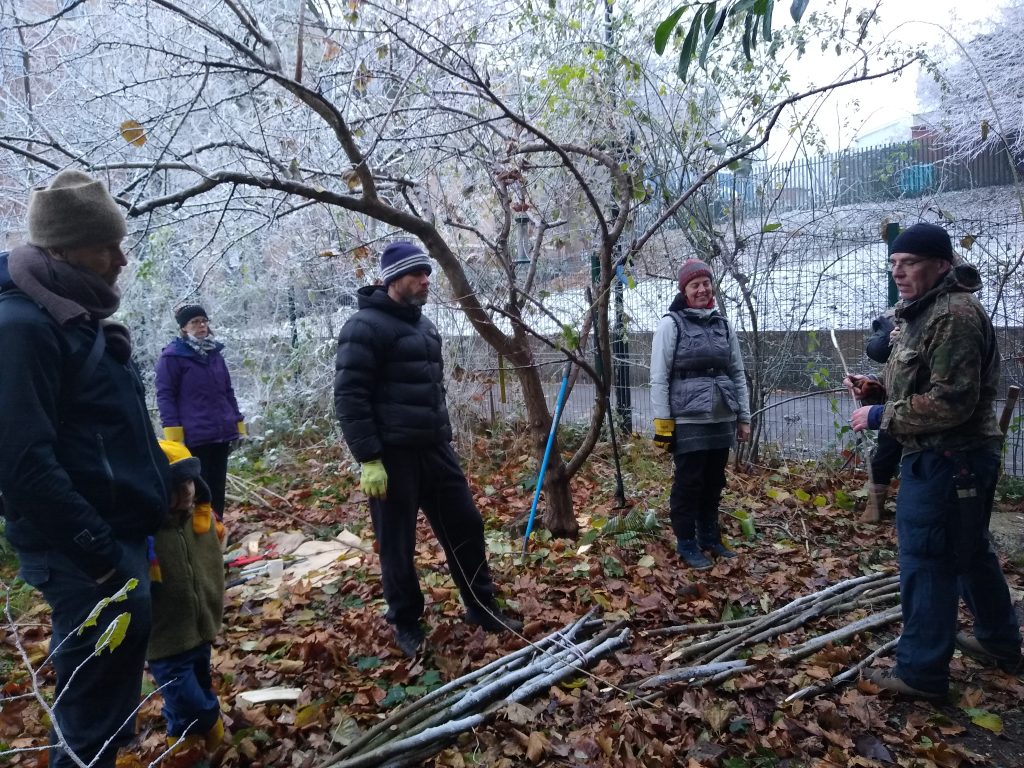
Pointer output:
865, 108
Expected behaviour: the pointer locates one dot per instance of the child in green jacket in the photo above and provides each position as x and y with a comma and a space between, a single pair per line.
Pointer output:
187, 570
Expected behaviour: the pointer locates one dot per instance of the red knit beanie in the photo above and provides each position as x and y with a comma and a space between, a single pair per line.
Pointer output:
691, 270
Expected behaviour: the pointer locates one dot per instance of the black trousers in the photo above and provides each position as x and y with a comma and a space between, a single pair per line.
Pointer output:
696, 491
429, 479
886, 458
214, 460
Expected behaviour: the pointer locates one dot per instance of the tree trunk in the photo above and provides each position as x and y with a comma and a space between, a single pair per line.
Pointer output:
558, 515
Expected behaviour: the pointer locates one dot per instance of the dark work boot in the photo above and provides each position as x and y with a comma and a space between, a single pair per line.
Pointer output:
409, 638
709, 538
691, 554
717, 548
491, 618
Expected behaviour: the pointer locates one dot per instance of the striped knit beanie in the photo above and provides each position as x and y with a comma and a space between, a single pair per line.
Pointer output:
402, 258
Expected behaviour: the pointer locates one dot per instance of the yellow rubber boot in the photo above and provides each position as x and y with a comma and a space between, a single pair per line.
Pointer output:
186, 744
215, 736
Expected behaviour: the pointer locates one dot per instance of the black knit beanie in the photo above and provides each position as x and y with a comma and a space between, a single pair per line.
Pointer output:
925, 240
402, 258
188, 312
75, 210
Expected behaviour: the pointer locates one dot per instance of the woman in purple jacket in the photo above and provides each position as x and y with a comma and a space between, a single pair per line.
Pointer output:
196, 401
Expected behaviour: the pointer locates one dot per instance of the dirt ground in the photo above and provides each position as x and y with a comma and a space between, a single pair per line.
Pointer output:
1007, 529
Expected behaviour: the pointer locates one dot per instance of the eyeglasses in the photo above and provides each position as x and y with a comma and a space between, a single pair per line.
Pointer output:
198, 321
905, 263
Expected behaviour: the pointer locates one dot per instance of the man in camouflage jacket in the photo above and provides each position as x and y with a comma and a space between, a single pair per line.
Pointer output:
940, 385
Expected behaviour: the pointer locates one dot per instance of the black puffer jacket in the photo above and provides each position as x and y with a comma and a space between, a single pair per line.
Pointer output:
878, 345
79, 462
389, 378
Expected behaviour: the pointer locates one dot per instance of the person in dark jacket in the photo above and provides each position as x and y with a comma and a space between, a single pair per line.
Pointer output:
83, 479
940, 387
196, 400
389, 396
188, 606
701, 408
885, 460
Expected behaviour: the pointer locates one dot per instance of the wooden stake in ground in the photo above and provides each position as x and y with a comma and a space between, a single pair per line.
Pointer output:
865, 518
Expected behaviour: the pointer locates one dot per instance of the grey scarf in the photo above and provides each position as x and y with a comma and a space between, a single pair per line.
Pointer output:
203, 347
70, 294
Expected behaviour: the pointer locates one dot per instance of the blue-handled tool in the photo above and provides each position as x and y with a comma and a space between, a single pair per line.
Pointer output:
559, 402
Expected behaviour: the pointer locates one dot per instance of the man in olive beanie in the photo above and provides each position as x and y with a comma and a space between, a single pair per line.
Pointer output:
83, 479
74, 210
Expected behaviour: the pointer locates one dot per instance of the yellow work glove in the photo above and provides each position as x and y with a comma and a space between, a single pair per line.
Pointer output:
242, 431
374, 480
175, 434
665, 434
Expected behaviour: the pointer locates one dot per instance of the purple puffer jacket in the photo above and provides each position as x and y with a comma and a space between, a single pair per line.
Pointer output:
195, 393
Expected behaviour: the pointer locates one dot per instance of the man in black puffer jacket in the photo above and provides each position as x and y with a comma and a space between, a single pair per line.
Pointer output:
389, 396
83, 479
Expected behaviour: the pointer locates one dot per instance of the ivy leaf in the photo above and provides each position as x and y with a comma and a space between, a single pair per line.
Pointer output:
396, 695
985, 719
844, 500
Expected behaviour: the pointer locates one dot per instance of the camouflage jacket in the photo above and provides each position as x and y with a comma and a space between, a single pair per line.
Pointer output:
942, 373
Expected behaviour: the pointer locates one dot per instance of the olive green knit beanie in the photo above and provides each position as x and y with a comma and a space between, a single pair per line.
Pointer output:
75, 210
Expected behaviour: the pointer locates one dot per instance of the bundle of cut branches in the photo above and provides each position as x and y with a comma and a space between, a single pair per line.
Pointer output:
716, 654
422, 728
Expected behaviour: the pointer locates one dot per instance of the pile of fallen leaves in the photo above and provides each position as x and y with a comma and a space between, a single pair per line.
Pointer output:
327, 637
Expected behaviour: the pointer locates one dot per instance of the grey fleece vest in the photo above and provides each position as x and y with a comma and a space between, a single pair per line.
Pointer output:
700, 366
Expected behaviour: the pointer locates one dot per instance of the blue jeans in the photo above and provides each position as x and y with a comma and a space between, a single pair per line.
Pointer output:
100, 702
185, 683
934, 528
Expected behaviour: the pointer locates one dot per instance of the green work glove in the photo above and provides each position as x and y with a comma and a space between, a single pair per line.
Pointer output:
665, 434
374, 480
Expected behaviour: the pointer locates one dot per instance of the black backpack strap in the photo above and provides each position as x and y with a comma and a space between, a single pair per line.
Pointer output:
99, 346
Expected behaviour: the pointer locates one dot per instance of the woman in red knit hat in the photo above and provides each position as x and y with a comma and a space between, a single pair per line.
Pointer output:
701, 408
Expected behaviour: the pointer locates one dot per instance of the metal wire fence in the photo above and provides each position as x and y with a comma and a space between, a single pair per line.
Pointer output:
801, 287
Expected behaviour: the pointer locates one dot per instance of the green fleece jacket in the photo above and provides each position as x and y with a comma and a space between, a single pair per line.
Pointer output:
188, 601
